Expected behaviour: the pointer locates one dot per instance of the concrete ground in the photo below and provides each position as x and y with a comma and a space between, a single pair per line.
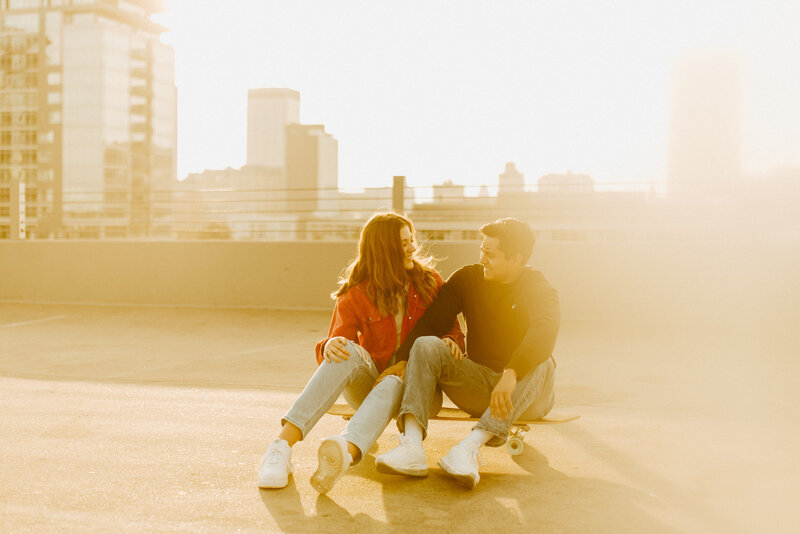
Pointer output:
153, 420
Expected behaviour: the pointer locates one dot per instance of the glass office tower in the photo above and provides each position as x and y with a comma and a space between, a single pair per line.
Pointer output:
87, 115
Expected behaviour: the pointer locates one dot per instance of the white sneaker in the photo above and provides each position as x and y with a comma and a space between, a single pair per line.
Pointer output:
276, 465
461, 463
333, 461
408, 458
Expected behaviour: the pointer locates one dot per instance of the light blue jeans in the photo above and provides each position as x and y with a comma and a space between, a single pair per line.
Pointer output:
469, 385
354, 377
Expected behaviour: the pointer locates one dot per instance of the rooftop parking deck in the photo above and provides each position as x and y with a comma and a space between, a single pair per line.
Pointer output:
152, 419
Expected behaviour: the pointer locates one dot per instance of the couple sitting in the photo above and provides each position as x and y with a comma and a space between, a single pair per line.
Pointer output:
395, 344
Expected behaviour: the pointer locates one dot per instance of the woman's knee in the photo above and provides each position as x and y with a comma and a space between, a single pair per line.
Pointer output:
354, 358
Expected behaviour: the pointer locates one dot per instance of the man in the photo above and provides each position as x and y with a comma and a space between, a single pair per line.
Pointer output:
512, 317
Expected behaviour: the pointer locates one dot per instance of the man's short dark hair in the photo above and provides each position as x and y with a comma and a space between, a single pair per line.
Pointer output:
515, 236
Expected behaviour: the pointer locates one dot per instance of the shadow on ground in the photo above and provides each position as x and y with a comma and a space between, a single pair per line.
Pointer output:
542, 500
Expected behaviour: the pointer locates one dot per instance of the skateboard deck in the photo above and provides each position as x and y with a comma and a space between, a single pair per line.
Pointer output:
454, 414
519, 428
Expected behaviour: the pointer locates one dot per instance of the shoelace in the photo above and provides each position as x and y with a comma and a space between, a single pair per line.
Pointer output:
274, 457
400, 439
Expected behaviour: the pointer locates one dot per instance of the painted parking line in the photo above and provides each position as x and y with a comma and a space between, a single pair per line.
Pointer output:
23, 323
171, 365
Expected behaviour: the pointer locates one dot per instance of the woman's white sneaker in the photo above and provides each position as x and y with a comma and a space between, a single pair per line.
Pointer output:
332, 462
276, 465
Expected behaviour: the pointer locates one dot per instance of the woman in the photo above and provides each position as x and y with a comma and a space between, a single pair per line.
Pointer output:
385, 290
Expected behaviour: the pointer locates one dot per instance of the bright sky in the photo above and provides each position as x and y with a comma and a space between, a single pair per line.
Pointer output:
438, 90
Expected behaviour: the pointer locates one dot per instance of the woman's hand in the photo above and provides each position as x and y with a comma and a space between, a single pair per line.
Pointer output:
455, 350
398, 369
336, 350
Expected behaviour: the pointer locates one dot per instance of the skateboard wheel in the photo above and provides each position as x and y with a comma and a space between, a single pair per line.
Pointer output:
515, 445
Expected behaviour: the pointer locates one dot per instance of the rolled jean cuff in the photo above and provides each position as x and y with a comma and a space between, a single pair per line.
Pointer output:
436, 405
302, 428
401, 422
498, 437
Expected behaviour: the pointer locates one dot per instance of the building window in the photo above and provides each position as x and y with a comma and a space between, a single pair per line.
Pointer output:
26, 23
21, 4
28, 157
24, 118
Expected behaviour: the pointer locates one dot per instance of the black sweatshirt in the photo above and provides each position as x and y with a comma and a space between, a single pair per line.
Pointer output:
508, 325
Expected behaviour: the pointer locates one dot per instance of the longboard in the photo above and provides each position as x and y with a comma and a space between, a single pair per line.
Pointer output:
515, 443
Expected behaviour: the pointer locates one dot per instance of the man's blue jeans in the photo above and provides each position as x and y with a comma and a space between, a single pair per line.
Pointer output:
469, 385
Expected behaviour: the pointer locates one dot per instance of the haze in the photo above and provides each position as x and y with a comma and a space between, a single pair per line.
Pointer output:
437, 92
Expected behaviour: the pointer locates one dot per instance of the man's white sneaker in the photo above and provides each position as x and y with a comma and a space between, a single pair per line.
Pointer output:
276, 465
461, 463
333, 461
408, 458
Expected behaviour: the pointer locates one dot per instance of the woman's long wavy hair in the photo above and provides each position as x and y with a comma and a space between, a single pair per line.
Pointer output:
380, 262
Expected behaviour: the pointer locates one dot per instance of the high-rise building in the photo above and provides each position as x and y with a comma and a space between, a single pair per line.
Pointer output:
704, 131
87, 114
312, 167
269, 111
511, 181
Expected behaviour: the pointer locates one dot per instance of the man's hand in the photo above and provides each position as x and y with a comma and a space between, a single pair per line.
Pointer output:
398, 369
500, 403
335, 350
455, 350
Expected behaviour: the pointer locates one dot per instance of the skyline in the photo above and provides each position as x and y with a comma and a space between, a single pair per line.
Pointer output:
437, 94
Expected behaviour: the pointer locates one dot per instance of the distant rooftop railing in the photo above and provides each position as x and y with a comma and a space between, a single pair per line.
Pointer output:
561, 211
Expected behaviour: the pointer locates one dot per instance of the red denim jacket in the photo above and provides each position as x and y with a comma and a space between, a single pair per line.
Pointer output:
357, 318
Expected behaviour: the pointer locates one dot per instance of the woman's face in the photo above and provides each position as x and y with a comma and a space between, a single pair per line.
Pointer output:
409, 245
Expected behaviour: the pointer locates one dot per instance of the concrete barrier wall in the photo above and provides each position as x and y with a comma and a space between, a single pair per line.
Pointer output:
675, 282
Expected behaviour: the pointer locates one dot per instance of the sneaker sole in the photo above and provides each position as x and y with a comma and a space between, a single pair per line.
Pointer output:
330, 467
412, 471
271, 484
464, 480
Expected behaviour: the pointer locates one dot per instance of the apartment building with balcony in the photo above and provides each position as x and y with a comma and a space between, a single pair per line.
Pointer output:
87, 115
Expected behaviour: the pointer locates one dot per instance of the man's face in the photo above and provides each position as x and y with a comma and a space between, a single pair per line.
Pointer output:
496, 265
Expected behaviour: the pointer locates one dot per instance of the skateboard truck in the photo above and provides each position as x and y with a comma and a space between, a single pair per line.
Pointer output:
516, 441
